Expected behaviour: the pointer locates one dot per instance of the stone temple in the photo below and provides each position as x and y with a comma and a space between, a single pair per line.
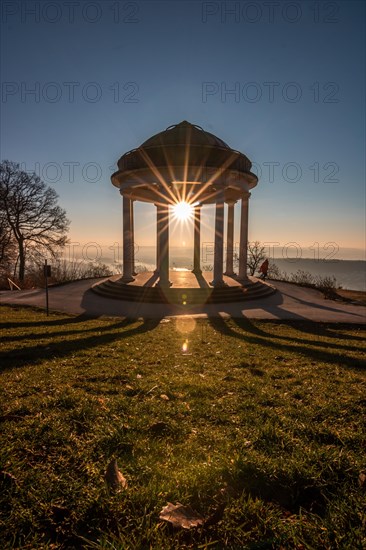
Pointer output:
186, 164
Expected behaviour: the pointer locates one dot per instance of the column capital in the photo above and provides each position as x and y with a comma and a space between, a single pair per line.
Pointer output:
231, 202
163, 205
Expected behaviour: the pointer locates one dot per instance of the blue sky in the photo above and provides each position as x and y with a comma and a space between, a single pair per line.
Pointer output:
107, 75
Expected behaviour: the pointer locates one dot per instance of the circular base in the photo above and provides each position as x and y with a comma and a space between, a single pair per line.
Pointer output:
186, 289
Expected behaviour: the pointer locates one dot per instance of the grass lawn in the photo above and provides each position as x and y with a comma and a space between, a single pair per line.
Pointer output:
258, 426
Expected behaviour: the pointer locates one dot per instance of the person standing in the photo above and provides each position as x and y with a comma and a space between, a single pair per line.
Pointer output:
264, 269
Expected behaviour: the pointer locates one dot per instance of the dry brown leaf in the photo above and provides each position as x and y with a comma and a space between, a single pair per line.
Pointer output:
181, 516
362, 479
164, 396
114, 478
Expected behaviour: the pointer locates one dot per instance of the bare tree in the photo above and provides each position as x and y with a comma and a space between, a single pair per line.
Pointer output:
30, 213
8, 252
256, 255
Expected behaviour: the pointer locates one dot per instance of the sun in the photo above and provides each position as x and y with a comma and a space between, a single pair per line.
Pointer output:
183, 211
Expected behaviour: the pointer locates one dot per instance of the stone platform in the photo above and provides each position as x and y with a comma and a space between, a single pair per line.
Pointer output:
187, 289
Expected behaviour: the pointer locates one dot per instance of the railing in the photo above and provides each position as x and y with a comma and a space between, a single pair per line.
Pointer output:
13, 285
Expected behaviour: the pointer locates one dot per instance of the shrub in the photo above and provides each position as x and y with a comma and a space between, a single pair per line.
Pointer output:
327, 285
275, 273
302, 277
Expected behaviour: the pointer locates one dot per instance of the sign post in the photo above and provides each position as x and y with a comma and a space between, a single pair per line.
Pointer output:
47, 273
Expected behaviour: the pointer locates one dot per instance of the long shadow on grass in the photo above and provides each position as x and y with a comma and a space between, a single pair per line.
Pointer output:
46, 322
298, 322
254, 335
310, 328
28, 355
291, 492
77, 320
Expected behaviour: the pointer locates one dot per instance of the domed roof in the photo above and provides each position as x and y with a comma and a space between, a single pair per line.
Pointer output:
183, 133
181, 144
184, 160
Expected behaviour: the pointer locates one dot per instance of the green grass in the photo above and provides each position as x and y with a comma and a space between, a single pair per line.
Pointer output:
263, 430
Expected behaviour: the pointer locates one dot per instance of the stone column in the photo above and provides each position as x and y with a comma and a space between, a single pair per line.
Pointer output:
219, 241
163, 236
127, 242
197, 241
133, 237
243, 247
157, 240
230, 239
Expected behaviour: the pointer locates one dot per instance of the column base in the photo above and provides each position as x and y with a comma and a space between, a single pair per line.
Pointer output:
197, 271
230, 273
127, 279
218, 284
164, 284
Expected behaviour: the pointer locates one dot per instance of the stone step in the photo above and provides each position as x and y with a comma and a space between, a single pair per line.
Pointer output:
192, 296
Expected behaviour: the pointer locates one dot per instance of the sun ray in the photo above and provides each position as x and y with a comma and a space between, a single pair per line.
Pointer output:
183, 211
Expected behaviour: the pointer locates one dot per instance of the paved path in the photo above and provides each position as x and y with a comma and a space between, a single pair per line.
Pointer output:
289, 302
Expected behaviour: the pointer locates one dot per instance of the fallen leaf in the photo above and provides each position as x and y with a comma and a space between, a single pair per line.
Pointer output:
114, 478
164, 396
181, 516
362, 479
